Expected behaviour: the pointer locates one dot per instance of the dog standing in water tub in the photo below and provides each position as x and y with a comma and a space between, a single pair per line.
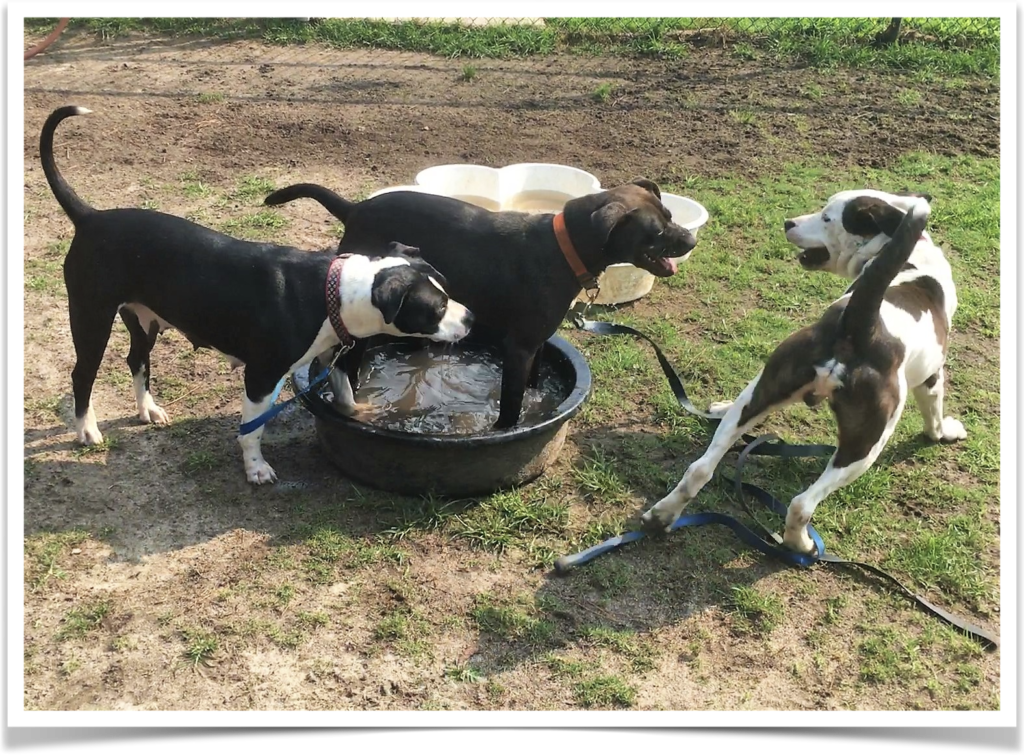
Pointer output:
268, 307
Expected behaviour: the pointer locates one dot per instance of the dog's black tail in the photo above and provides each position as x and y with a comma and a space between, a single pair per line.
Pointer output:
336, 205
73, 205
861, 314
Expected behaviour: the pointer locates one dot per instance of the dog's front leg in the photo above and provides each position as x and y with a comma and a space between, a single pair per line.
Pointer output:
749, 409
514, 373
256, 468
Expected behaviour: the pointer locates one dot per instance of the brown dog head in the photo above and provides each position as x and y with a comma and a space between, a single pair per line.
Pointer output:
628, 224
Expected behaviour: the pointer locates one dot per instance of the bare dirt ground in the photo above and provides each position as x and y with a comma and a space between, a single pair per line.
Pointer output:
181, 549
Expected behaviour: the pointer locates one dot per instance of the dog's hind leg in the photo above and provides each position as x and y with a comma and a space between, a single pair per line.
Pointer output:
534, 380
929, 396
867, 417
90, 331
139, 363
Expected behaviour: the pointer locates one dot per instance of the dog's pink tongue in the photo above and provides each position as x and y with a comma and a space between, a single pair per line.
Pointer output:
672, 265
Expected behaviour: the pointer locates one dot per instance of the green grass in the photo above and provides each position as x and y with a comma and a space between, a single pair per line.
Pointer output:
82, 620
602, 92
200, 646
261, 225
45, 552
512, 619
950, 46
252, 190
754, 612
468, 73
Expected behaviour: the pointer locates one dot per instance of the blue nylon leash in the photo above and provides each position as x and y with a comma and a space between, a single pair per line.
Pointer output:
258, 422
771, 546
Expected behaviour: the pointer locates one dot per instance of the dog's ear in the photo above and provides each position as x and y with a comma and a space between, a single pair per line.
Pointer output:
418, 263
607, 217
649, 186
390, 288
402, 250
868, 216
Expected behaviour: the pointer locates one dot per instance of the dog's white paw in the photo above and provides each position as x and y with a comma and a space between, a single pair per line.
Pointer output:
87, 431
718, 409
260, 472
153, 413
797, 540
953, 430
658, 519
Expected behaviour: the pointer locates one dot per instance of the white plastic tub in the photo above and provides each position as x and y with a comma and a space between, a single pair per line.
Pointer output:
526, 187
476, 184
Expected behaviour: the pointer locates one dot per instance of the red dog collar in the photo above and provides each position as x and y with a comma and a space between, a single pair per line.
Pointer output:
585, 277
334, 301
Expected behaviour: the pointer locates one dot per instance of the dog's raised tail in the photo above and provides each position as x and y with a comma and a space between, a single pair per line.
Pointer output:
335, 204
73, 205
862, 311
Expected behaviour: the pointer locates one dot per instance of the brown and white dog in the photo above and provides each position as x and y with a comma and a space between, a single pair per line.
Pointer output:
885, 337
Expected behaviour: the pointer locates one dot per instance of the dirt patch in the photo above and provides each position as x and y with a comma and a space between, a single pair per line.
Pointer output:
183, 547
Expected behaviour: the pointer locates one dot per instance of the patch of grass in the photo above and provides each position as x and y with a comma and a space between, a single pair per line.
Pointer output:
327, 548
468, 72
82, 620
110, 442
908, 97
193, 187
604, 692
743, 51
833, 608
200, 461
209, 97
746, 117
200, 646
464, 673
253, 189
811, 91
611, 577
599, 477
511, 619
260, 225
312, 620
510, 518
602, 92
753, 612
45, 275
887, 655
946, 45
640, 654
44, 552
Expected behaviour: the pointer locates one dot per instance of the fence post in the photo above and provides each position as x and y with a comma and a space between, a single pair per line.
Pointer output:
890, 34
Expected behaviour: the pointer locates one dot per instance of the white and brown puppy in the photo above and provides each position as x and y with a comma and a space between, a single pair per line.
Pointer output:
884, 338
268, 307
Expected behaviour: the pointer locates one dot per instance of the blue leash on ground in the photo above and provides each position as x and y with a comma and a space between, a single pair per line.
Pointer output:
772, 545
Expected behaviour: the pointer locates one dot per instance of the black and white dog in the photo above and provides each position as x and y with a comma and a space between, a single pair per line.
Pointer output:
885, 337
270, 308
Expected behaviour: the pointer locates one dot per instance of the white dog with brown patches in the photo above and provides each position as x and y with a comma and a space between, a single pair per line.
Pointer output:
885, 337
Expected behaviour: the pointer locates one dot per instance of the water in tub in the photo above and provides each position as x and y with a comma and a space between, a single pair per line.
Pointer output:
537, 201
445, 389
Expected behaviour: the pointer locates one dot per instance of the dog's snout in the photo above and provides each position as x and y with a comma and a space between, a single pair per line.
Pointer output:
788, 225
